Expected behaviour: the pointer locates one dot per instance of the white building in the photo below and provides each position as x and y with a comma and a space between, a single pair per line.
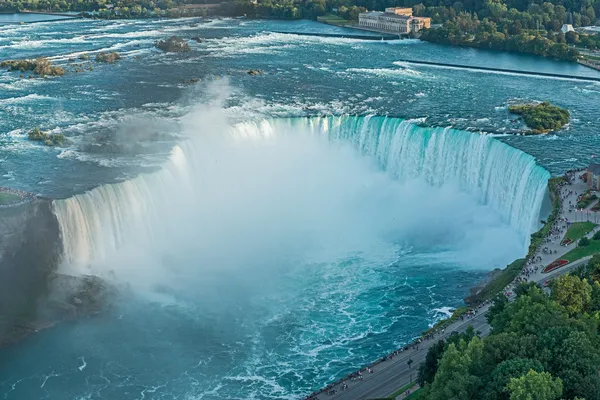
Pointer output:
394, 19
567, 28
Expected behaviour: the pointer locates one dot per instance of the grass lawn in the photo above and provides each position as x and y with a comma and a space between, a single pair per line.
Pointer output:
505, 277
579, 252
333, 19
578, 230
8, 198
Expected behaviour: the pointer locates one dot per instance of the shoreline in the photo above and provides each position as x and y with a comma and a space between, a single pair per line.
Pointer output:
469, 309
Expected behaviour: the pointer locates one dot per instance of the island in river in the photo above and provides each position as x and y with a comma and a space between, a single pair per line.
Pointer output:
542, 117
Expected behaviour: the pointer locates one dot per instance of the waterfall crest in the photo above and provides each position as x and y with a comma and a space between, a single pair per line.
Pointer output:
94, 224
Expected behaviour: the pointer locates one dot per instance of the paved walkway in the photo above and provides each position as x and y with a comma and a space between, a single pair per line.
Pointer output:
396, 372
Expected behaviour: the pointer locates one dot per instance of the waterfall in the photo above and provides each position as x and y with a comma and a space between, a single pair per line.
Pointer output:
96, 223
497, 174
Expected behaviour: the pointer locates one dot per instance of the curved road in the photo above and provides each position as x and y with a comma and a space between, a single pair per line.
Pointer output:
391, 375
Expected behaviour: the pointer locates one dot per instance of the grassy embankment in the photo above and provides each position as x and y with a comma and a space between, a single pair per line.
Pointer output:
401, 390
495, 286
8, 198
537, 238
332, 19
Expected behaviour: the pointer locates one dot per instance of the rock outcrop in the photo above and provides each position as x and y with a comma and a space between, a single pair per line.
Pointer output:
174, 44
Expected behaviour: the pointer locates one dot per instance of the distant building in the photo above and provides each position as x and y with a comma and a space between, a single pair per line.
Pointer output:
394, 19
567, 28
593, 176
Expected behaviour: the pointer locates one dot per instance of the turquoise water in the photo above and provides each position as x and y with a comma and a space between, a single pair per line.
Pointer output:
289, 232
27, 17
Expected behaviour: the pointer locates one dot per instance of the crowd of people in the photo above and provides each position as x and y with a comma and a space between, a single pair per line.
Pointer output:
358, 376
555, 234
532, 266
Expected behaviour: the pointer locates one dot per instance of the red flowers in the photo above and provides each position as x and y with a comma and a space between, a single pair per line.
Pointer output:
556, 264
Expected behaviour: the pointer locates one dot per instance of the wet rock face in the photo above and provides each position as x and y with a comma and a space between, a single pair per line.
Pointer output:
30, 248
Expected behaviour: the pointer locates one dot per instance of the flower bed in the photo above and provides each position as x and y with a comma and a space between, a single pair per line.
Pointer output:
556, 264
566, 242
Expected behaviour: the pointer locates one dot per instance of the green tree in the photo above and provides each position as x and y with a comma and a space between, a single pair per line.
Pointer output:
535, 386
505, 371
455, 378
573, 293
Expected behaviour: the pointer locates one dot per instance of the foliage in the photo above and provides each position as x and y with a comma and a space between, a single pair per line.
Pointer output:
108, 57
456, 377
535, 386
506, 370
428, 369
596, 236
586, 199
573, 293
537, 238
541, 346
499, 282
542, 117
584, 241
57, 139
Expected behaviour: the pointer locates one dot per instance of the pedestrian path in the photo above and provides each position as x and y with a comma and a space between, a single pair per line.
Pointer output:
387, 375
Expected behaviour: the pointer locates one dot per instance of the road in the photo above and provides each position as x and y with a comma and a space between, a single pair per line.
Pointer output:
391, 375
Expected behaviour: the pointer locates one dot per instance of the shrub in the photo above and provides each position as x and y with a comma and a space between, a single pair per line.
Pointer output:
584, 242
596, 236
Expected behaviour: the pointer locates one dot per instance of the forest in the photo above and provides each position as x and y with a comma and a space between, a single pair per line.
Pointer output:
543, 346
512, 25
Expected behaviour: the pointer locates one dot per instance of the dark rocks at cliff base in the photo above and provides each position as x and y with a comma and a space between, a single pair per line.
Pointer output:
174, 44
33, 296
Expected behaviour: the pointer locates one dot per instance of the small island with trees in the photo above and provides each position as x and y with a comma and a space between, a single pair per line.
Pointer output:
542, 117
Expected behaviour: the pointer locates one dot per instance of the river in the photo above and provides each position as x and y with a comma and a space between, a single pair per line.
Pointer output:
286, 227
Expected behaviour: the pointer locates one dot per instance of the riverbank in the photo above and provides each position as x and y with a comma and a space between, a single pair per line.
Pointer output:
397, 370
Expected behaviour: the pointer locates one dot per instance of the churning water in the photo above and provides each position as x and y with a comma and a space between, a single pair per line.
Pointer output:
275, 241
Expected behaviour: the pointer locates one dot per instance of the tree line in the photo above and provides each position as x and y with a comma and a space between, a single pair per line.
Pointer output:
541, 347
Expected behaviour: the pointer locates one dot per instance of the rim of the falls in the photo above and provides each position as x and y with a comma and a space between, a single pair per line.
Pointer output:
95, 223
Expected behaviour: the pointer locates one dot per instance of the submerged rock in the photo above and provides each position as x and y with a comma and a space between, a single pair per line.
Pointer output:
174, 44
255, 72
